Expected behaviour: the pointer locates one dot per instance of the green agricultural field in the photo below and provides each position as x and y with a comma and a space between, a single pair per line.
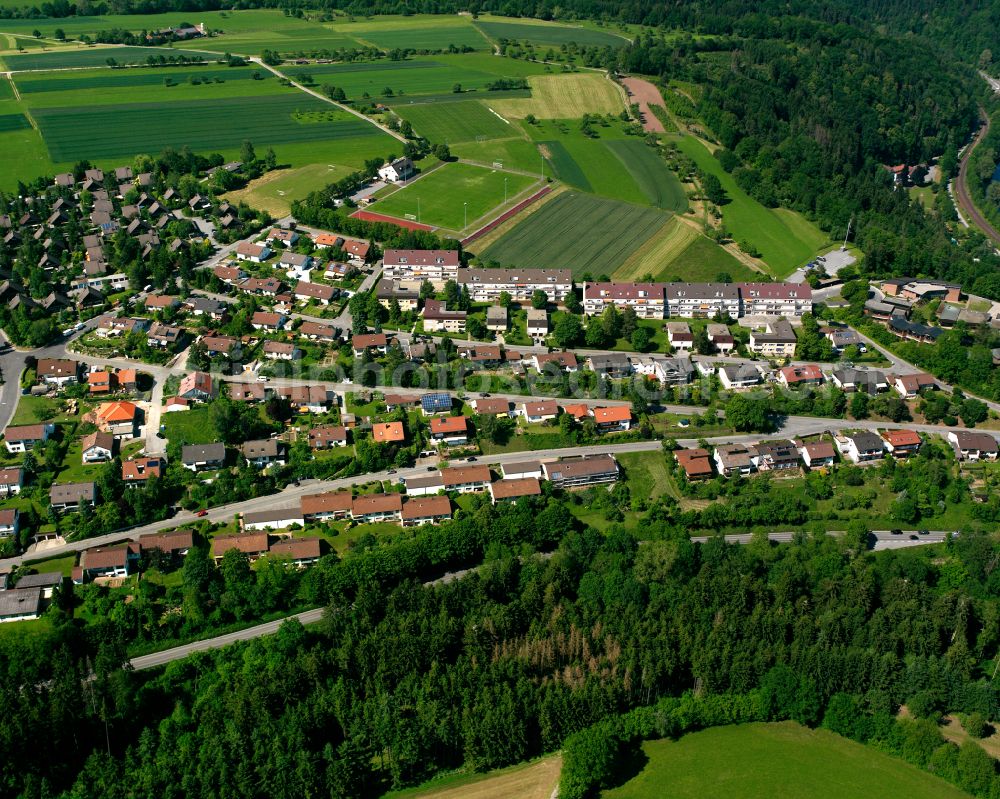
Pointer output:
566, 97
9, 122
548, 33
102, 78
785, 239
25, 148
443, 193
451, 123
167, 85
612, 165
650, 172
417, 78
761, 761
679, 251
418, 32
6, 89
94, 57
579, 232
248, 32
96, 132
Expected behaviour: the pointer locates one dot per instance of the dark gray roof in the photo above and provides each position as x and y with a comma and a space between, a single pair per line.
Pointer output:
193, 453
20, 602
43, 580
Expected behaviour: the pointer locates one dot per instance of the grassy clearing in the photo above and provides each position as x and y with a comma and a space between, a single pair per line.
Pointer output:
443, 194
418, 32
647, 476
95, 132
275, 191
548, 33
650, 172
594, 235
767, 760
94, 57
785, 238
534, 780
456, 122
565, 97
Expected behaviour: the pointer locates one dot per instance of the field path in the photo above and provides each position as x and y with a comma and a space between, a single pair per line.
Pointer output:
645, 93
539, 780
325, 99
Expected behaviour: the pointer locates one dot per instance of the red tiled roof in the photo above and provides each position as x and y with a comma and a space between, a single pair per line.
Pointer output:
376, 503
449, 424
616, 413
425, 507
516, 487
386, 432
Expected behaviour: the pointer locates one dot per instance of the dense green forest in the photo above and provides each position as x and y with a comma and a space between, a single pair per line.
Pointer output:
402, 680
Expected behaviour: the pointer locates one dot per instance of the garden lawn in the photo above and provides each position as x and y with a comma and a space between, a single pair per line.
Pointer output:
578, 232
443, 193
785, 239
762, 761
121, 131
193, 426
450, 123
566, 97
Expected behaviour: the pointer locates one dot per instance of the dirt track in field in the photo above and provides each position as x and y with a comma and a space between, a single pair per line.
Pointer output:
537, 781
645, 93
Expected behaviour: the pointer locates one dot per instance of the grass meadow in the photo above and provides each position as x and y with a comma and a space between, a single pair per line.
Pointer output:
765, 760
578, 232
785, 239
275, 191
444, 192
